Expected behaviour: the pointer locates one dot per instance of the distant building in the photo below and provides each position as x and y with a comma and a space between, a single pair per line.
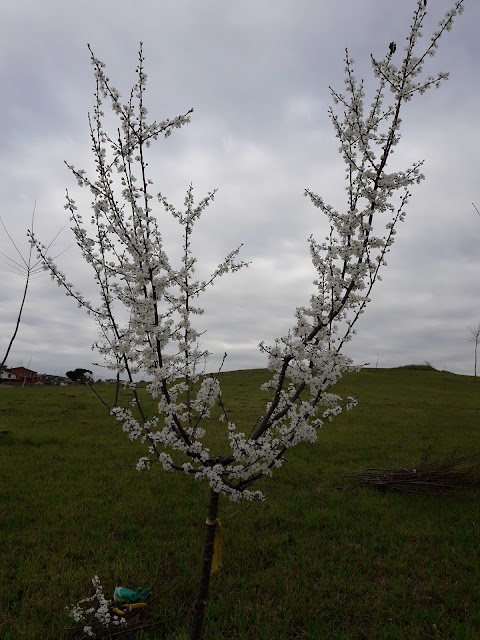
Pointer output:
6, 374
53, 381
24, 375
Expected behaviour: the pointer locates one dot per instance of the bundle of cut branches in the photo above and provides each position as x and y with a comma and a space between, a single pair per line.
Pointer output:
130, 630
136, 621
455, 472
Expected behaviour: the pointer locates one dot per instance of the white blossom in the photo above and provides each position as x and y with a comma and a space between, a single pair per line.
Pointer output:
96, 611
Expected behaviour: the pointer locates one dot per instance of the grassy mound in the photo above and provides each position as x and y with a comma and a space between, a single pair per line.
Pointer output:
426, 366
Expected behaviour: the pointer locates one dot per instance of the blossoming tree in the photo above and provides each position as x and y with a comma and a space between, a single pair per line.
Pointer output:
159, 339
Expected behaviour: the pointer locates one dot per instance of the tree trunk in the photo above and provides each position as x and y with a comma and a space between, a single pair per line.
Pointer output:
19, 316
117, 390
475, 370
204, 581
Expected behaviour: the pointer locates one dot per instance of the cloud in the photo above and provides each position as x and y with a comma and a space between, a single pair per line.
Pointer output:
258, 78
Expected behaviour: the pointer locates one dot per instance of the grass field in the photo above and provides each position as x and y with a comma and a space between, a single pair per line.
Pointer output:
321, 558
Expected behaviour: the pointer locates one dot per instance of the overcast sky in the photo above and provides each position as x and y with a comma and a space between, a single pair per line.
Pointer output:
257, 73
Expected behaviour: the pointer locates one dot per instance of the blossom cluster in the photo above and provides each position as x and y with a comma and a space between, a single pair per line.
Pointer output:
95, 612
149, 307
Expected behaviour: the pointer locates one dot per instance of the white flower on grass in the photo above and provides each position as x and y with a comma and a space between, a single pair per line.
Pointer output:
95, 610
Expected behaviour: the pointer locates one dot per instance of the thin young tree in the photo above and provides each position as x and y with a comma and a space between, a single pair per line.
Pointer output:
157, 336
474, 332
474, 336
28, 269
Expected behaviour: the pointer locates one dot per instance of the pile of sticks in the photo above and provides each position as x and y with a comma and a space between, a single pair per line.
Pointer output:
453, 473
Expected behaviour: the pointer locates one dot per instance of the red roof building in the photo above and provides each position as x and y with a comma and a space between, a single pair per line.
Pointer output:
24, 375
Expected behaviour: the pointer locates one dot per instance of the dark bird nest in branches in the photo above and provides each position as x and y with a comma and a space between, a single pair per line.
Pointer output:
456, 472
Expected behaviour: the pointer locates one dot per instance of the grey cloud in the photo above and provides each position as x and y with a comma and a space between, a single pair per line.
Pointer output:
258, 78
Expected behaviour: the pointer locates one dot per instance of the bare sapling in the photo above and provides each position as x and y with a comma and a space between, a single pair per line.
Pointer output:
28, 269
474, 336
148, 313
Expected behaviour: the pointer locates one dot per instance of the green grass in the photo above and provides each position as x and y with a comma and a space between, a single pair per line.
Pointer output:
321, 558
